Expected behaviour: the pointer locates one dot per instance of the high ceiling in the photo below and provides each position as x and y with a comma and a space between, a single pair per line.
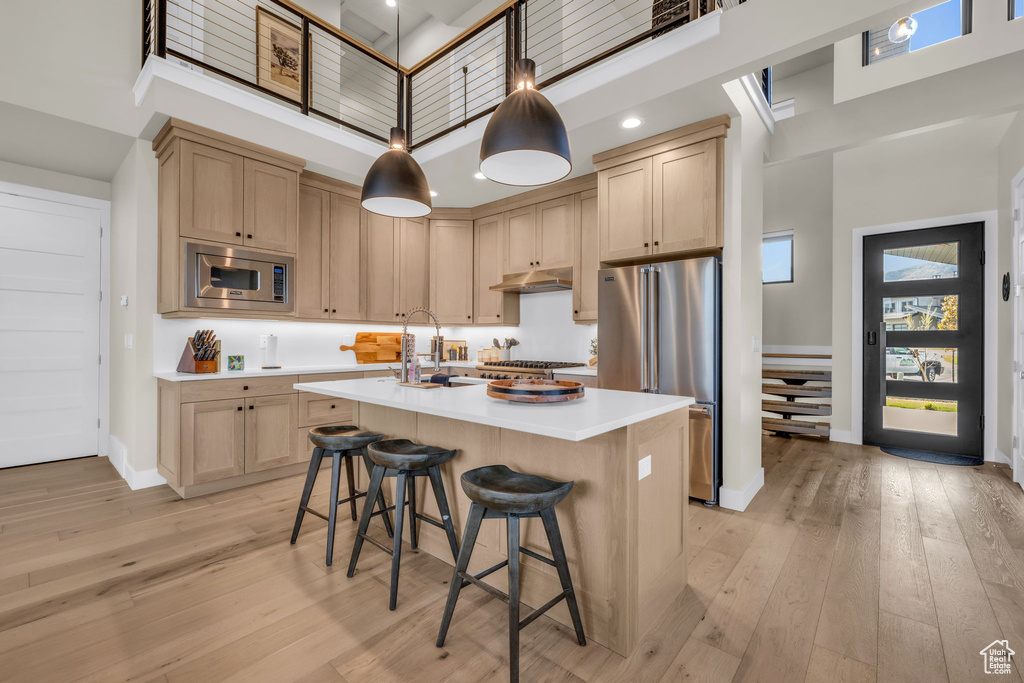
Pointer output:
428, 24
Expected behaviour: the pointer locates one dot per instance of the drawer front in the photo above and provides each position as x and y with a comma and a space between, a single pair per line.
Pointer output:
380, 373
316, 409
218, 389
585, 380
330, 376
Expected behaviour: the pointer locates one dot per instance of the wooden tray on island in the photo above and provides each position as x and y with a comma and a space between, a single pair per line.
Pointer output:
535, 390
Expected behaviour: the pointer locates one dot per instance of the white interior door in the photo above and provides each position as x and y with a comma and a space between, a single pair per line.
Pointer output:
49, 330
1017, 451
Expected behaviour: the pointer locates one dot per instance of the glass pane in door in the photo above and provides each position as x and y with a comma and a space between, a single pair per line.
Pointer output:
921, 313
929, 416
914, 364
921, 262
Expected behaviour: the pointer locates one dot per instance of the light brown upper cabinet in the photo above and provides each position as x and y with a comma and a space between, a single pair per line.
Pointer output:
588, 258
414, 264
380, 254
686, 198
624, 197
271, 212
556, 233
344, 259
451, 281
520, 241
663, 195
211, 194
312, 254
490, 307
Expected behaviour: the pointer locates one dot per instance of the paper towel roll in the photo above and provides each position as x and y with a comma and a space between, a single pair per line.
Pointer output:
270, 352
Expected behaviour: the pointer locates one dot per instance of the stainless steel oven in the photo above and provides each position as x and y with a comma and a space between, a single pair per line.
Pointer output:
238, 279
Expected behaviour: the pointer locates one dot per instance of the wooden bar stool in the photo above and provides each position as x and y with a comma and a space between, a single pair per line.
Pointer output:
498, 492
343, 443
403, 459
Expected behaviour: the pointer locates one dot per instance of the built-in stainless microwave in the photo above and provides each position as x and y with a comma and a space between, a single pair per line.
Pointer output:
239, 279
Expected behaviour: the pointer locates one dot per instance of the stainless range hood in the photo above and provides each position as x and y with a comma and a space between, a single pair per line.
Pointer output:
550, 280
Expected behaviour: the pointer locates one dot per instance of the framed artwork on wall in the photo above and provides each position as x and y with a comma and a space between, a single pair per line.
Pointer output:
279, 55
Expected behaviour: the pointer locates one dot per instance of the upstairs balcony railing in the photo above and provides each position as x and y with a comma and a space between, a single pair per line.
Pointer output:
281, 51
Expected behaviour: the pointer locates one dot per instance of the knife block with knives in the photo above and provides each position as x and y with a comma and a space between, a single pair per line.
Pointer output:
201, 354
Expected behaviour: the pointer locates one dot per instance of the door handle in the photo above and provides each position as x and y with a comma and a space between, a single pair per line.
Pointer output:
882, 362
872, 338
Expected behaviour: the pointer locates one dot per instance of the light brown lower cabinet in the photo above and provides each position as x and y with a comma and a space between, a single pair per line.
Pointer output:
225, 433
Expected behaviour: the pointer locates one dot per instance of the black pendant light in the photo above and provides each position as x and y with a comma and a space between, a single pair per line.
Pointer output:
525, 142
395, 184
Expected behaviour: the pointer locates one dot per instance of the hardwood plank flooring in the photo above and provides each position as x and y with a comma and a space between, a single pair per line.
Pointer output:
849, 565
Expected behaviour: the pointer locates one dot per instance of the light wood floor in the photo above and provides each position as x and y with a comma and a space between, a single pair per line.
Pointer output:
849, 565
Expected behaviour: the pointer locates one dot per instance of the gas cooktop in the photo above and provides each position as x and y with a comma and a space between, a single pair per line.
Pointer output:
530, 364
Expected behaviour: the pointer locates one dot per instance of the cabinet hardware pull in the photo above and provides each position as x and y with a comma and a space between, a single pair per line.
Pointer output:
238, 234
249, 237
646, 244
245, 388
333, 310
576, 312
325, 310
655, 242
332, 407
251, 407
239, 407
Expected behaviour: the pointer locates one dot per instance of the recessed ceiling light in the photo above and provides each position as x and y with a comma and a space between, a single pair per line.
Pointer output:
391, 3
631, 122
479, 176
433, 194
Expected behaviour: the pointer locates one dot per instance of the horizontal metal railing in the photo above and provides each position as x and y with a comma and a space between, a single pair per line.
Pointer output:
281, 51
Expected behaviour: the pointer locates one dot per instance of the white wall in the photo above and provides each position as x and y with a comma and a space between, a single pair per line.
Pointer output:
992, 36
1010, 162
133, 397
931, 175
745, 148
546, 332
798, 197
51, 180
812, 89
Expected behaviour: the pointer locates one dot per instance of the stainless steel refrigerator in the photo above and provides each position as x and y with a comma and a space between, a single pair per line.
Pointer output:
660, 332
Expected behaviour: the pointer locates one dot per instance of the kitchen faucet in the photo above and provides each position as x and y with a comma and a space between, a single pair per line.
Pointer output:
405, 347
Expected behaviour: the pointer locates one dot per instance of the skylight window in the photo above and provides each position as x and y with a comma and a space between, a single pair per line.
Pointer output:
937, 24
1016, 9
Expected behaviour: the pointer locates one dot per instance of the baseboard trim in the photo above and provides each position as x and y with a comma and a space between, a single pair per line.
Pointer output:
734, 499
1018, 469
842, 436
999, 457
118, 456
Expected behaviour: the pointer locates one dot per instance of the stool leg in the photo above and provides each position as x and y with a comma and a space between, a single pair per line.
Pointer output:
411, 489
376, 477
333, 513
380, 495
351, 483
442, 505
476, 515
396, 553
513, 598
307, 489
562, 565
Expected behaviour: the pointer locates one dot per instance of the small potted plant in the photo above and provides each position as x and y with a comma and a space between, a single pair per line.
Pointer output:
593, 351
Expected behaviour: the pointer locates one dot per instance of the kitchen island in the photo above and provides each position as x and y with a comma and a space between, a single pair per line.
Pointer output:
625, 536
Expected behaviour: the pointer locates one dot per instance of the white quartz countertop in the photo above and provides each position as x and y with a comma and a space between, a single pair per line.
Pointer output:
586, 372
599, 411
173, 376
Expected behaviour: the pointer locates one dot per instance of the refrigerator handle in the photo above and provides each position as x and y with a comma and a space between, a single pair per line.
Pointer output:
645, 371
655, 334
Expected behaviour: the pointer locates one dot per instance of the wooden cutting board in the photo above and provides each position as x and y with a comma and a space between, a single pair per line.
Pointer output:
377, 347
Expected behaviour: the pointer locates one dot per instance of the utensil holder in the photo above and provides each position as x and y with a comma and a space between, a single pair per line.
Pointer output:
506, 354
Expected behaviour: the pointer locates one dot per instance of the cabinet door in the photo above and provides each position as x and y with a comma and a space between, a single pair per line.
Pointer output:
211, 194
451, 271
584, 278
345, 269
488, 261
624, 210
556, 233
520, 240
380, 247
271, 206
270, 423
212, 440
312, 254
686, 198
414, 264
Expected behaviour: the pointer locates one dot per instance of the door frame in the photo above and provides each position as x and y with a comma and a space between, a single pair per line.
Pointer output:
102, 207
1016, 229
991, 346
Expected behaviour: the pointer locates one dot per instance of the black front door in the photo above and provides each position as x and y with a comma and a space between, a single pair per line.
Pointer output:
924, 339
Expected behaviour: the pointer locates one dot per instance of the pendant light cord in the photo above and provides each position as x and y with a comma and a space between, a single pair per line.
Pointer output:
398, 63
526, 32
